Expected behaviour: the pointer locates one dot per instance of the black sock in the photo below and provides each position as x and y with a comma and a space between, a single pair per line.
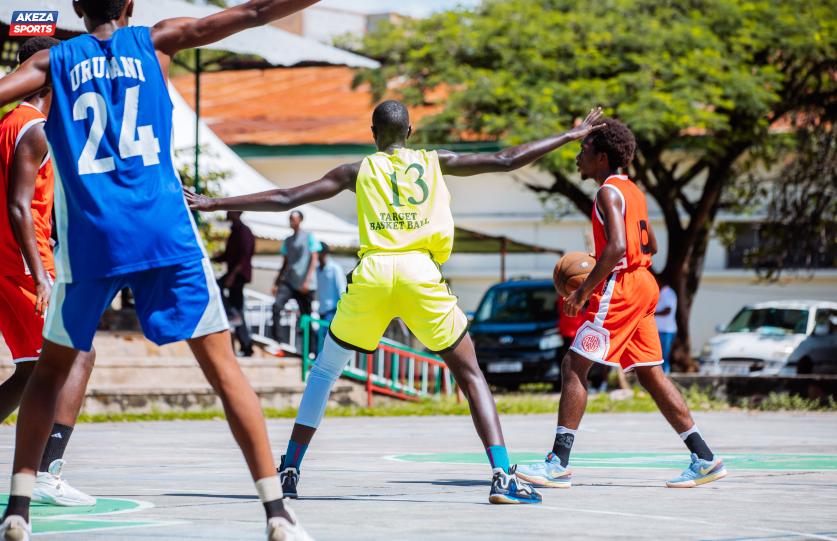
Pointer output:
695, 443
275, 508
563, 444
18, 505
56, 444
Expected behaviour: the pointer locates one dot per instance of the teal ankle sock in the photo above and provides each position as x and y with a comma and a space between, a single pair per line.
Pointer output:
498, 457
294, 454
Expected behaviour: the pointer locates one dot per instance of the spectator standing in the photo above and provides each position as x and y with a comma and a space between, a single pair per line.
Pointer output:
331, 283
296, 279
665, 315
238, 256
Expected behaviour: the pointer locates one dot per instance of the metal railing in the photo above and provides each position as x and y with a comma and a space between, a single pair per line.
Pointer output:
394, 369
258, 310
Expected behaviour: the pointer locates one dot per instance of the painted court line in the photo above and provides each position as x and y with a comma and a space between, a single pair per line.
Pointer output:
116, 526
780, 536
681, 520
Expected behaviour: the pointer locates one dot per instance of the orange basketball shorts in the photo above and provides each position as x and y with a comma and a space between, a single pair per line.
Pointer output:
619, 329
21, 327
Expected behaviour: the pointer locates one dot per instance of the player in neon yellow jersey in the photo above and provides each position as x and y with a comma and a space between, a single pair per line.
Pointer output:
406, 233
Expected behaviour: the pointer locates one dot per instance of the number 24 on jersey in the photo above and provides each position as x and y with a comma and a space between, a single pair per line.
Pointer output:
133, 141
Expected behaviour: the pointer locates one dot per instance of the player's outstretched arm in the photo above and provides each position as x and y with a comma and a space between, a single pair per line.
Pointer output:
335, 181
172, 35
609, 205
512, 158
30, 77
29, 155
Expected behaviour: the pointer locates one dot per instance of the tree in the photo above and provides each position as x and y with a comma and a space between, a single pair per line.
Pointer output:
700, 82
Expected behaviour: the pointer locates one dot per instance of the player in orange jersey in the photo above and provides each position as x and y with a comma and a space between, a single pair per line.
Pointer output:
26, 274
619, 328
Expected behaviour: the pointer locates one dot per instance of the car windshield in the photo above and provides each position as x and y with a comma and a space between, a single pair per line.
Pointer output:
517, 305
770, 320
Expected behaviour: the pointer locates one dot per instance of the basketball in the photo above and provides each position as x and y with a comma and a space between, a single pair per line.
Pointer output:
571, 271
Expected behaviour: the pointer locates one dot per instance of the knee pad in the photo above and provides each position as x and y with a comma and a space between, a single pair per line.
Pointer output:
331, 360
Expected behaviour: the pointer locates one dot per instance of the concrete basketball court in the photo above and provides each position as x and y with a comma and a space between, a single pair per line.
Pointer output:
426, 478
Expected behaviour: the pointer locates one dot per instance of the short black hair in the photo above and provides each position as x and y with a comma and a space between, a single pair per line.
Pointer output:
391, 120
324, 249
33, 45
102, 10
616, 140
298, 213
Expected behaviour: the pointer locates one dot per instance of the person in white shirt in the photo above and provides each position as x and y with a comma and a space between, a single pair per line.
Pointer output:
665, 315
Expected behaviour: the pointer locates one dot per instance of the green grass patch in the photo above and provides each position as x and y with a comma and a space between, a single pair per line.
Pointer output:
788, 402
507, 404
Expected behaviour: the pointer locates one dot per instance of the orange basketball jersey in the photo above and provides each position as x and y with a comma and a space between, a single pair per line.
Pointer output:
634, 209
13, 127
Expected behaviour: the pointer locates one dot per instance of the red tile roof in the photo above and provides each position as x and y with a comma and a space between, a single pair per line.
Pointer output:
294, 106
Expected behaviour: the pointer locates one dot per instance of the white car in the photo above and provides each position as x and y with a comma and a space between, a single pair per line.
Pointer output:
761, 338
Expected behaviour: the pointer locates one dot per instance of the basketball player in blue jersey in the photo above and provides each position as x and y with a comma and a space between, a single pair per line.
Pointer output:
122, 222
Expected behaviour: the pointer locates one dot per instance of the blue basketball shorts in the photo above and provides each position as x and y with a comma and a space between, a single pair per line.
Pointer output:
173, 303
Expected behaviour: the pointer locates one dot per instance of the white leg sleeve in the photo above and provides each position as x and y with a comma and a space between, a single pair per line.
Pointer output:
327, 368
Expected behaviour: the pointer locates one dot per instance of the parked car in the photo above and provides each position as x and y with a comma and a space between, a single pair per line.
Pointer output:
773, 338
817, 354
515, 334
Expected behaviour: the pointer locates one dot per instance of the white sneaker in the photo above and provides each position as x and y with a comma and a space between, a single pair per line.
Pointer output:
279, 529
14, 528
52, 490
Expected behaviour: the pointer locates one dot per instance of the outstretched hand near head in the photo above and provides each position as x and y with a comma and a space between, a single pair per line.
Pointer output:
589, 124
197, 202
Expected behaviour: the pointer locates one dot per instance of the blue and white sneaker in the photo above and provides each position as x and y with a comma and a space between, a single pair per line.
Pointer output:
699, 472
549, 473
507, 488
289, 477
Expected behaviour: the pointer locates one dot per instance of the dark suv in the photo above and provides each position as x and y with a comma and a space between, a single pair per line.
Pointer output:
515, 334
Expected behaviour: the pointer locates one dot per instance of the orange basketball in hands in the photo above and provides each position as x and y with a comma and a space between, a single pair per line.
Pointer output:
571, 271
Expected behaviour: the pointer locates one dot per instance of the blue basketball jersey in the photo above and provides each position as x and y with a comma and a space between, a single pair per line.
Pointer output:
119, 207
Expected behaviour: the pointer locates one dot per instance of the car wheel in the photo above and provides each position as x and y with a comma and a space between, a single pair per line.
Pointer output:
805, 366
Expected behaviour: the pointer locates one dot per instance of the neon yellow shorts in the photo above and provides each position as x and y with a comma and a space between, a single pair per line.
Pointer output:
406, 285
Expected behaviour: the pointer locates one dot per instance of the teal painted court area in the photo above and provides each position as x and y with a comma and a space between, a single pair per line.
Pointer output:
668, 461
53, 520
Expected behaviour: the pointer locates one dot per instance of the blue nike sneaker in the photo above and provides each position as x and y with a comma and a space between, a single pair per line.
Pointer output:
507, 488
549, 473
699, 472
289, 477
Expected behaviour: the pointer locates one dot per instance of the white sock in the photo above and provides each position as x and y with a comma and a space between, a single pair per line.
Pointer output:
565, 430
686, 434
23, 484
269, 489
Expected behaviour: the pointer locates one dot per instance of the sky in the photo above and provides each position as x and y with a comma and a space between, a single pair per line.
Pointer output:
416, 8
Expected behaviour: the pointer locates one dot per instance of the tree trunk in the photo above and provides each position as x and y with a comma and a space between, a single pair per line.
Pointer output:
685, 283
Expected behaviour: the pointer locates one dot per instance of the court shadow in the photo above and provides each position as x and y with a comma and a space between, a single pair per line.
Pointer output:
448, 483
220, 496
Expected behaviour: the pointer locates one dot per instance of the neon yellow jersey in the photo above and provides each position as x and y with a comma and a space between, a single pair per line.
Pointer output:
403, 204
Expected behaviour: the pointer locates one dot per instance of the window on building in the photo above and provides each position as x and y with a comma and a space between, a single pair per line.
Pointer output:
748, 238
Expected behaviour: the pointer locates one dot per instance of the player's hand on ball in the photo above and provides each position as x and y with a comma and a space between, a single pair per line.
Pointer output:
197, 201
574, 303
589, 124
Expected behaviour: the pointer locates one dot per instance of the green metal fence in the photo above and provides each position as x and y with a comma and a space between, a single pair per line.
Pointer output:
394, 369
